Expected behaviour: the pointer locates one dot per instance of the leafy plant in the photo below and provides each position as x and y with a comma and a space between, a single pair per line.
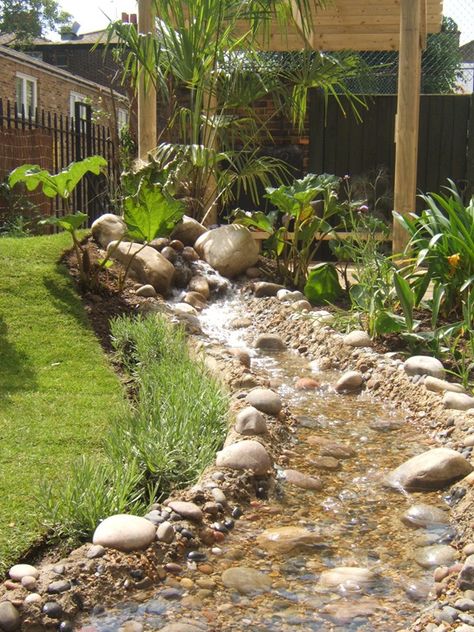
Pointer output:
62, 185
322, 285
442, 246
305, 208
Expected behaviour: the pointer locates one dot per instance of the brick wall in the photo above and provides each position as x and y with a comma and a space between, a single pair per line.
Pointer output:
53, 91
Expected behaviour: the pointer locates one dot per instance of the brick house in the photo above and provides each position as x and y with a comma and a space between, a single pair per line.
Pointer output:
32, 83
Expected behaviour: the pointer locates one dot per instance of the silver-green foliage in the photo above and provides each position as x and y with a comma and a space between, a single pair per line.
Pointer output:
164, 441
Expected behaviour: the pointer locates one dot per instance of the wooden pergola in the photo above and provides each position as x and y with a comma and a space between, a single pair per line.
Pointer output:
362, 25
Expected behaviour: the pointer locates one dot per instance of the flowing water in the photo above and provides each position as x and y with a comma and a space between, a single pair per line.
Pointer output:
359, 519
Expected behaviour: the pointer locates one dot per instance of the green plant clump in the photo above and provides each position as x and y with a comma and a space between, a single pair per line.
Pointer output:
177, 422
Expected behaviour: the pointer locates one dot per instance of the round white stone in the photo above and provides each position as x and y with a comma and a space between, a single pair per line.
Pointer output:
125, 532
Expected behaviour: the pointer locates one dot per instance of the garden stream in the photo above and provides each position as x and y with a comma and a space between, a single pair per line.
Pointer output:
359, 520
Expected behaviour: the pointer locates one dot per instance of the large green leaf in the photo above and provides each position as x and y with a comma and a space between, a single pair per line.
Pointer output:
151, 213
62, 183
70, 223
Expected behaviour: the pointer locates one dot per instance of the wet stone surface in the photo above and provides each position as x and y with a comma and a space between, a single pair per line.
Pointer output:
352, 522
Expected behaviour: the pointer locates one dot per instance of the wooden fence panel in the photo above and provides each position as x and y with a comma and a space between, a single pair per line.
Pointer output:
341, 145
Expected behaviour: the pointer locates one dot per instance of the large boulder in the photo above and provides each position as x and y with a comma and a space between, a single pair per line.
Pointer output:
147, 265
434, 469
125, 532
107, 228
188, 230
424, 365
228, 249
245, 455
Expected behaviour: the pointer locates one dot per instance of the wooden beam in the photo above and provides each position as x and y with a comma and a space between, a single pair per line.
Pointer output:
407, 121
146, 91
305, 29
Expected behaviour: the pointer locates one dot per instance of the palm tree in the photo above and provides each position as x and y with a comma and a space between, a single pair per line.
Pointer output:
207, 65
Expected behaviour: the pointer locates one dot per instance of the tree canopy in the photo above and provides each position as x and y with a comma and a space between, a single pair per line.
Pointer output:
27, 19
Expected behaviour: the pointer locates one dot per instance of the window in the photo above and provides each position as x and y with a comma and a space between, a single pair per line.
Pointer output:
76, 97
122, 118
26, 93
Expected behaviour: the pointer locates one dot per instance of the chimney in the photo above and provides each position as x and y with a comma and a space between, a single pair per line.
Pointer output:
125, 18
133, 18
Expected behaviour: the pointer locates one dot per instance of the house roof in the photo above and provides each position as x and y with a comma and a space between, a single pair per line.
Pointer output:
32, 62
467, 51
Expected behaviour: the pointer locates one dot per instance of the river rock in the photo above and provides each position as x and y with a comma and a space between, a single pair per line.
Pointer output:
245, 455
228, 249
349, 381
147, 265
357, 338
125, 532
307, 384
302, 480
270, 342
181, 627
466, 575
200, 285
325, 463
458, 401
195, 299
187, 510
301, 306
263, 288
185, 308
435, 555
19, 571
286, 539
107, 228
9, 617
246, 580
250, 421
331, 448
386, 425
289, 296
188, 231
424, 365
425, 516
434, 469
352, 578
146, 291
265, 400
165, 532
440, 386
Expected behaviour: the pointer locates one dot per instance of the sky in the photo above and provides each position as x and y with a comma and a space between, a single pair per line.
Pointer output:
90, 13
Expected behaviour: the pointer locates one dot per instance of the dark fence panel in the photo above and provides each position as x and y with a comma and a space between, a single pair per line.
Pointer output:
341, 145
63, 140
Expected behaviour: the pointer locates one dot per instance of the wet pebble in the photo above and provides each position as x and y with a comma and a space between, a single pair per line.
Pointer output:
246, 580
270, 342
53, 609
302, 480
435, 555
325, 463
197, 556
425, 516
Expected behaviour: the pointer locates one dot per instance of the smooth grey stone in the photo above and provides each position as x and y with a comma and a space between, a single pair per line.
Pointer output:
458, 401
263, 288
250, 421
246, 580
9, 617
245, 455
265, 400
187, 510
464, 604
60, 586
349, 381
436, 555
95, 551
357, 338
421, 515
165, 533
424, 365
125, 532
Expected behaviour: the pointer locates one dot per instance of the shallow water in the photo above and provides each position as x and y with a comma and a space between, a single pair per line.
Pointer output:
360, 520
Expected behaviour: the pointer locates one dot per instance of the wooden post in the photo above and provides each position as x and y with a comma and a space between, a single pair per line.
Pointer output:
146, 90
408, 110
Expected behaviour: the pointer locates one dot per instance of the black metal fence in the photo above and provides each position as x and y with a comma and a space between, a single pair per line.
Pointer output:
53, 141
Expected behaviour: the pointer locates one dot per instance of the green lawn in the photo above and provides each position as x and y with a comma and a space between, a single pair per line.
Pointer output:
57, 392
